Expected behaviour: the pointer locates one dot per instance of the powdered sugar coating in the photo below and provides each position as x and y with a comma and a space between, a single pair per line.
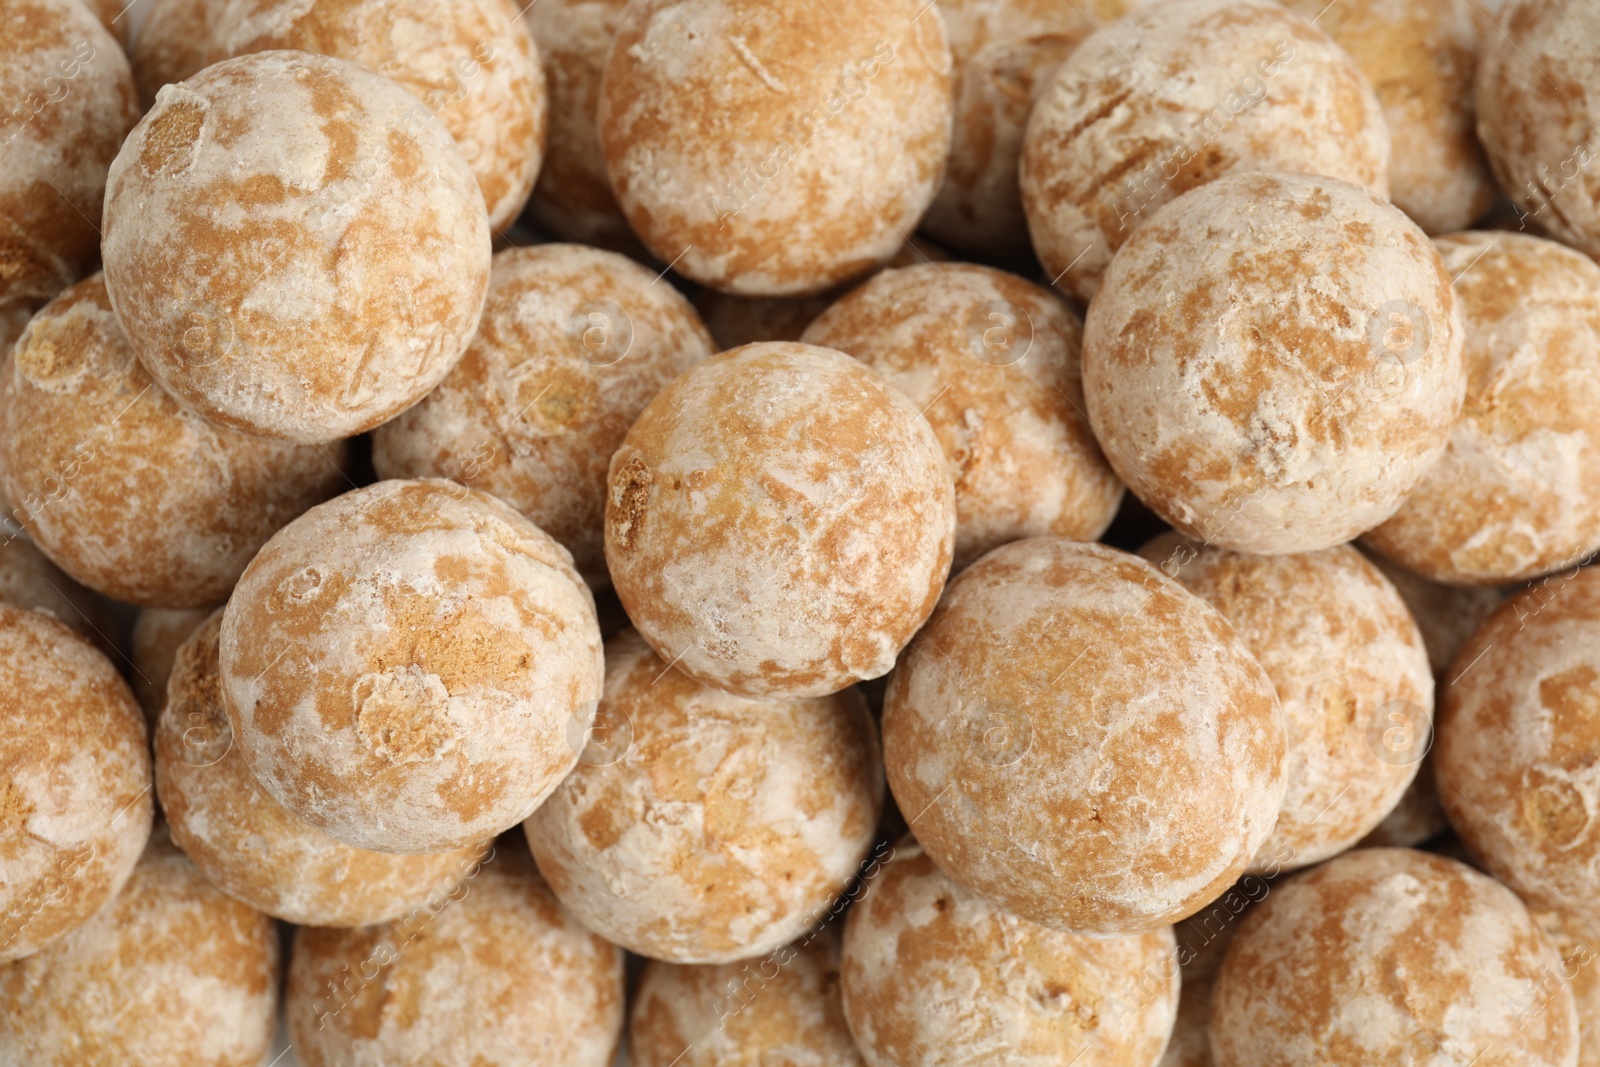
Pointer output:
936, 976
502, 976
245, 842
466, 60
1005, 52
1537, 91
124, 489
1178, 94
783, 1008
992, 360
172, 973
70, 101
1515, 495
294, 246
574, 342
410, 667
1346, 659
776, 149
75, 804
172, 43
1391, 956
572, 199
1420, 56
1518, 741
779, 521
1080, 739
1274, 362
709, 827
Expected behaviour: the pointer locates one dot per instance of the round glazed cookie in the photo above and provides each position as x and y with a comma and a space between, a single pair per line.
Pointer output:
1576, 941
928, 965
172, 973
992, 360
501, 976
358, 278
779, 521
1420, 56
782, 1008
70, 101
75, 805
1519, 730
1537, 93
775, 149
470, 65
1352, 676
706, 827
1274, 362
125, 490
172, 43
572, 199
1057, 692
157, 635
1391, 956
1005, 53
1178, 94
573, 344
249, 846
29, 580
410, 667
1514, 495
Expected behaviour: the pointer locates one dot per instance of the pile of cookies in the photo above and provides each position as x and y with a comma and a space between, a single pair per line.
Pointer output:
888, 533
